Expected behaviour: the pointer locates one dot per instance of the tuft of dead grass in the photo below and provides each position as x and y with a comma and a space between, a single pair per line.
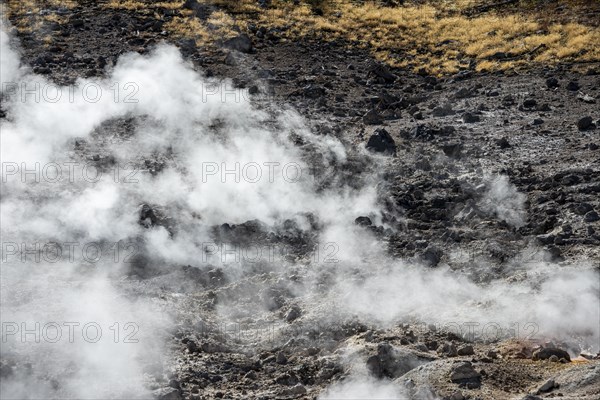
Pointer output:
130, 5
188, 28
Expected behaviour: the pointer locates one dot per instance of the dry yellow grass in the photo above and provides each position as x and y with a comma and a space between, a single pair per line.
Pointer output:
63, 3
222, 25
437, 36
30, 19
127, 4
441, 40
188, 27
21, 7
434, 37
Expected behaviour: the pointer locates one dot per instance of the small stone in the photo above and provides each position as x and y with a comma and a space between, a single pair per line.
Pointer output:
192, 347
281, 358
466, 350
77, 23
546, 238
187, 45
431, 344
287, 379
570, 180
241, 43
363, 221
431, 256
447, 349
230, 59
465, 375
585, 123
508, 100
591, 216
573, 86
251, 376
547, 387
452, 150
463, 93
293, 314
456, 396
312, 351
586, 98
470, 118
552, 83
492, 354
582, 208
422, 347
299, 389
544, 107
547, 352
443, 111
503, 143
382, 142
372, 117
382, 72
313, 91
168, 393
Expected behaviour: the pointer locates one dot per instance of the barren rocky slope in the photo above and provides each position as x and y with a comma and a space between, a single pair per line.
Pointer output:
492, 178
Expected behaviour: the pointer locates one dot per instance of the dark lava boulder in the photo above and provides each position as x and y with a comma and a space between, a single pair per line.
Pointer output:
465, 375
503, 143
313, 91
382, 142
241, 43
293, 313
147, 216
382, 72
573, 86
552, 83
363, 221
392, 362
167, 393
253, 231
372, 117
431, 256
453, 150
547, 352
585, 123
470, 118
591, 216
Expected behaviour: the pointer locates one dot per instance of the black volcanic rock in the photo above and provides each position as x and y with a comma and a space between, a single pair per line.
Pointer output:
382, 142
465, 375
585, 123
552, 83
241, 43
547, 352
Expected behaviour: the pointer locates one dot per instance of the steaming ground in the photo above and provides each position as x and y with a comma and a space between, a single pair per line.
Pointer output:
64, 207
241, 266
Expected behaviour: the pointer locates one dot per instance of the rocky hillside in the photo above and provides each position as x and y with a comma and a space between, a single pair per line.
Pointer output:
441, 241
